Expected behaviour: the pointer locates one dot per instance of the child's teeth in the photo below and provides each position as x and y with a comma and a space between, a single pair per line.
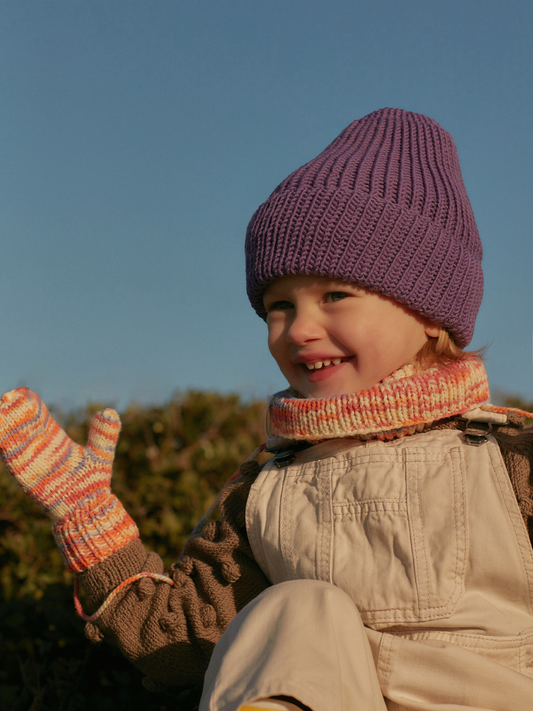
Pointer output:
320, 364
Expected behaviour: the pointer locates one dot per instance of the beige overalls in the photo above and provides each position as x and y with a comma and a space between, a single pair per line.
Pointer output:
426, 599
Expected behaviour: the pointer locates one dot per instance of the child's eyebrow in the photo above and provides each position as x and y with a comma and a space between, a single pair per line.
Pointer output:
271, 299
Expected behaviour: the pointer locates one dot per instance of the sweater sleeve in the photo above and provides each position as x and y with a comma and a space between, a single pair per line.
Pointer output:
169, 631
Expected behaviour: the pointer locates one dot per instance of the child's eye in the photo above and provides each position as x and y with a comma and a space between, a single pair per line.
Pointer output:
336, 296
280, 305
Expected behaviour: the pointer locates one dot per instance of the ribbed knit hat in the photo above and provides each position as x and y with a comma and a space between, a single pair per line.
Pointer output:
383, 206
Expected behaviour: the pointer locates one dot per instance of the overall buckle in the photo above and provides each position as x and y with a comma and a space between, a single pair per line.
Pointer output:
477, 433
283, 456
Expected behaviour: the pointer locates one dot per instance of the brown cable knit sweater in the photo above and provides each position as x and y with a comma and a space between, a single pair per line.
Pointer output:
169, 632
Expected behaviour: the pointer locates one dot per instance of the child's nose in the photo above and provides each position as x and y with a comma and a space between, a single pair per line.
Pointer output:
303, 328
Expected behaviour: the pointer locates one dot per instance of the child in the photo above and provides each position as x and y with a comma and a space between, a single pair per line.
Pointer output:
381, 559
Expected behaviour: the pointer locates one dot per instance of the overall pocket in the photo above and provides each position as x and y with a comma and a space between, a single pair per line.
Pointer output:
399, 532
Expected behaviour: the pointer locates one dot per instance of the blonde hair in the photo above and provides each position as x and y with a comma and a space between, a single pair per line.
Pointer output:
442, 349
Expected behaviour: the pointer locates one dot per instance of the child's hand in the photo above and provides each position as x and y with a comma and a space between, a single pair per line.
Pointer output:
58, 474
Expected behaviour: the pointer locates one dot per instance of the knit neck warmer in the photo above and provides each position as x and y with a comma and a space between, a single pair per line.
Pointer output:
407, 401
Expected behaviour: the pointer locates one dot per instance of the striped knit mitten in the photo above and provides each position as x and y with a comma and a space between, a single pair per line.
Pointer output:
70, 483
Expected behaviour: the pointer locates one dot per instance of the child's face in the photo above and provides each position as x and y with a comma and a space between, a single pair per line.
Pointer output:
364, 336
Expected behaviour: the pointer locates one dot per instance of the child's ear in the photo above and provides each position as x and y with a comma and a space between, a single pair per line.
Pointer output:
432, 330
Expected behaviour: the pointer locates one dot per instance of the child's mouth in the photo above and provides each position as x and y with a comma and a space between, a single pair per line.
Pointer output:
320, 370
323, 364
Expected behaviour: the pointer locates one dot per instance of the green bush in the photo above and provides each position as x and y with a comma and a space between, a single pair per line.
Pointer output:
171, 461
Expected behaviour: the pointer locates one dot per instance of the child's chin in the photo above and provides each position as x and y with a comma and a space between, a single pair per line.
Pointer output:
320, 392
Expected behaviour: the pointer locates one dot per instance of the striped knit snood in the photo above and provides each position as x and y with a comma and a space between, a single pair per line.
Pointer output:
407, 401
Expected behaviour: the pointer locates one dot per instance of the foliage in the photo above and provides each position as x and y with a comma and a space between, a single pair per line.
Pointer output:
171, 462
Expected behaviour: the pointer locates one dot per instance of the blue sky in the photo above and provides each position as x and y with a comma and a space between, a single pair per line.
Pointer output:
138, 137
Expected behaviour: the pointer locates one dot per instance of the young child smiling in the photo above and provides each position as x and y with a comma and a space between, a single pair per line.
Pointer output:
331, 337
382, 558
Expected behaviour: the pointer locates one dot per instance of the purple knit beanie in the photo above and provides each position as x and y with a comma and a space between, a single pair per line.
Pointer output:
383, 206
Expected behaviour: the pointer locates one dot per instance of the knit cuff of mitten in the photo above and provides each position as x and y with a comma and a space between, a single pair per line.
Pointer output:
90, 534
